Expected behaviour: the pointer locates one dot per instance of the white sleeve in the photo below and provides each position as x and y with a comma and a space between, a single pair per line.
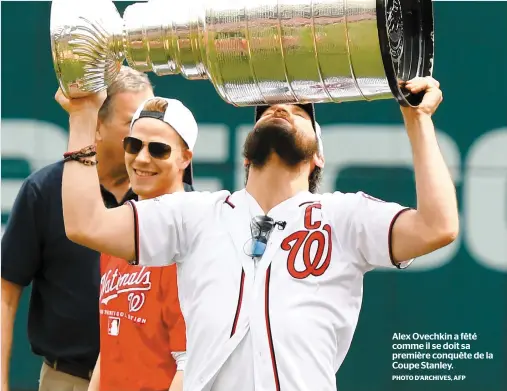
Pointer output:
366, 223
159, 229
181, 360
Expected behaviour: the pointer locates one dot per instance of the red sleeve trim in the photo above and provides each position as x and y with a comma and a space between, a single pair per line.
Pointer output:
136, 233
228, 202
390, 237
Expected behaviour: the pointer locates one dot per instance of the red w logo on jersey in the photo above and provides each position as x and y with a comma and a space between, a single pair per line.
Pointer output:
303, 241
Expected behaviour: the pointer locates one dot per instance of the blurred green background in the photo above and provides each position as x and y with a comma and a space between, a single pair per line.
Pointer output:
462, 288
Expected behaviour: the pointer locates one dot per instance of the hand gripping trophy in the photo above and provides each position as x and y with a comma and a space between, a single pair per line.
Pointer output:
252, 51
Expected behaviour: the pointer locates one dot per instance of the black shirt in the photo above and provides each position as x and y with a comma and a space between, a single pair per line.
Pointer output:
63, 319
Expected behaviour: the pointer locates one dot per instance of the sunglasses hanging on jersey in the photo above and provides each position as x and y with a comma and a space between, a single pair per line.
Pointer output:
157, 150
260, 229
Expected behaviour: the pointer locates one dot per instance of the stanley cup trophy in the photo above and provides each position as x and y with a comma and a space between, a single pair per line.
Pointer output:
252, 51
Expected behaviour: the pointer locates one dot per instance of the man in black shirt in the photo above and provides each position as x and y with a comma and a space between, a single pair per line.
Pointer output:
63, 321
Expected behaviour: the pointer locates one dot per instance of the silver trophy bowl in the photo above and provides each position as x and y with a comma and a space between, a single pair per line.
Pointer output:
252, 51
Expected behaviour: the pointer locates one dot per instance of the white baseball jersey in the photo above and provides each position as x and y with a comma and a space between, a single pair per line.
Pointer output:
284, 322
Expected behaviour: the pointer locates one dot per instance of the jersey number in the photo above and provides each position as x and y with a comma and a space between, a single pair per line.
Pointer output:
304, 240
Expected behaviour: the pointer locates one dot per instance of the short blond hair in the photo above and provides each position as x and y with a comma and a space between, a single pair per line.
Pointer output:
127, 80
159, 105
156, 104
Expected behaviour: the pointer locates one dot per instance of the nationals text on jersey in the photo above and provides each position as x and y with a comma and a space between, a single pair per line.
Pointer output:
114, 283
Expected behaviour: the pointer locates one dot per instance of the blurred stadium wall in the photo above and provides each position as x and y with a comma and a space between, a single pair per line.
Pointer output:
462, 288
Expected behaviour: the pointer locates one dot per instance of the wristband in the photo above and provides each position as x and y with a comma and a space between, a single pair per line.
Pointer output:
82, 151
78, 156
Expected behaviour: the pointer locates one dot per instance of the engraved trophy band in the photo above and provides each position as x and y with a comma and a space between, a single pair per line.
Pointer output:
252, 51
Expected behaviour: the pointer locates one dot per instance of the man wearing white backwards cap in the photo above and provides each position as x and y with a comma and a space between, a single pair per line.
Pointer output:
142, 330
270, 276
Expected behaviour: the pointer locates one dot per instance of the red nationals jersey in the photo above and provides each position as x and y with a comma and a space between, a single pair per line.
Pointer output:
140, 325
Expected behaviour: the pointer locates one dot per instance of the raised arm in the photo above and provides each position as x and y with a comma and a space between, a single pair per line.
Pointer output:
87, 221
435, 222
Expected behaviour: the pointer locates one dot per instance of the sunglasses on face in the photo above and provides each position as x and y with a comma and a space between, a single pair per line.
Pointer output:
157, 150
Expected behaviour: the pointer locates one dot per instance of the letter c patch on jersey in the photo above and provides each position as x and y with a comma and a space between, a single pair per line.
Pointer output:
302, 242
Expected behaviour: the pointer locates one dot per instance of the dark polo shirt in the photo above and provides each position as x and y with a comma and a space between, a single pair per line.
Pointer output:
63, 320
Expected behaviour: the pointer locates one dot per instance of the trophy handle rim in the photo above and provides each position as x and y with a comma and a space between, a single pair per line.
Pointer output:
54, 52
426, 54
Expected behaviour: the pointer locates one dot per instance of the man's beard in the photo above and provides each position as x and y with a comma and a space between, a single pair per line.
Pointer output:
268, 138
